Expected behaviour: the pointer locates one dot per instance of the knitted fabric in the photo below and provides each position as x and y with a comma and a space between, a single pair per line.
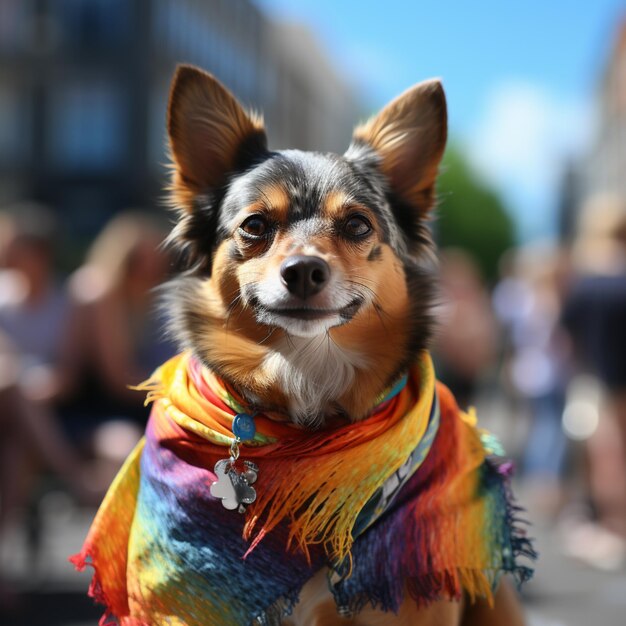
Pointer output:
406, 499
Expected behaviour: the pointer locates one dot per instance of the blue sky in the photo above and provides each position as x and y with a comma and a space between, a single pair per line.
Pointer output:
521, 77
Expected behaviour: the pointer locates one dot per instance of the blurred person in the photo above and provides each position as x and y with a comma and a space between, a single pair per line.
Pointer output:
34, 341
122, 338
466, 341
33, 304
595, 316
528, 302
68, 356
35, 322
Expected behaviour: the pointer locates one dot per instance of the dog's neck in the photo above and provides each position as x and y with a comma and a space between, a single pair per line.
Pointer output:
314, 375
340, 373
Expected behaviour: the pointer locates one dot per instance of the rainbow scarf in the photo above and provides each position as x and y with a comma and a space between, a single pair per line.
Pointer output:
411, 498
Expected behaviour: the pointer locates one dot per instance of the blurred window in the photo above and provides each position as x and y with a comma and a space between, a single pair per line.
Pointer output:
161, 22
15, 126
157, 138
16, 21
219, 36
92, 23
86, 126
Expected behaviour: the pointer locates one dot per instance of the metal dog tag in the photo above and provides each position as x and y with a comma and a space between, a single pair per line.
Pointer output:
232, 486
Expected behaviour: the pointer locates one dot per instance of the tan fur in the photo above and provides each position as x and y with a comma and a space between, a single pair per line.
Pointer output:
380, 330
409, 134
206, 127
316, 607
273, 203
335, 203
231, 336
276, 199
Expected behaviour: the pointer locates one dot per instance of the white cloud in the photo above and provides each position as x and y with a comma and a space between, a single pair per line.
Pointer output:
521, 144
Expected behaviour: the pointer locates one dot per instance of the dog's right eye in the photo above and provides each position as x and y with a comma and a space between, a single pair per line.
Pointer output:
254, 226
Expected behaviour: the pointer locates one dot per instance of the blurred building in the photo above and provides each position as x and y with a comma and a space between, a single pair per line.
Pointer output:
310, 106
607, 162
84, 85
604, 169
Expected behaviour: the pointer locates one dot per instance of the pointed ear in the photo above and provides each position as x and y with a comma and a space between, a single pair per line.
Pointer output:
210, 134
409, 137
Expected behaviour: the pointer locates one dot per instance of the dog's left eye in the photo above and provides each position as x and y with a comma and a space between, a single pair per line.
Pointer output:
357, 226
254, 226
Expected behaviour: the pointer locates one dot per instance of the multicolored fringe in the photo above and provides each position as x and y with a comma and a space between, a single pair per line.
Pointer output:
452, 516
166, 552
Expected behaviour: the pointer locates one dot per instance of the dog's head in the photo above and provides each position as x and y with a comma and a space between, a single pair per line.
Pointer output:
309, 276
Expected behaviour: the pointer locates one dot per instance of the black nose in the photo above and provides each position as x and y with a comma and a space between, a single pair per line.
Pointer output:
304, 276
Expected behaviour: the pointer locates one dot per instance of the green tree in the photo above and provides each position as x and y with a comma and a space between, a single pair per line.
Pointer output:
470, 215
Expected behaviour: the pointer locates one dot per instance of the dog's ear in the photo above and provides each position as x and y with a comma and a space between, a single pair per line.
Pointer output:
210, 134
409, 137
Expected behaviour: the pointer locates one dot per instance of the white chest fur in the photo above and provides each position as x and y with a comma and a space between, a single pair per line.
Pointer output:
312, 372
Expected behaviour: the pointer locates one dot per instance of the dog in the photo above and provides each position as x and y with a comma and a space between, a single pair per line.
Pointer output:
311, 277
305, 295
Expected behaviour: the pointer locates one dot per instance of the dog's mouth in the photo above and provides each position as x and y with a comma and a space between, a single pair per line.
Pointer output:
312, 313
305, 320
303, 317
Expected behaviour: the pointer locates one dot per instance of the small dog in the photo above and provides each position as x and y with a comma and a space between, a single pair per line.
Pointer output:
304, 311
320, 265
311, 277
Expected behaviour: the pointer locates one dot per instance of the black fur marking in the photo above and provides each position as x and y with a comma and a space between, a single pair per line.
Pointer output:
421, 285
196, 236
411, 220
375, 254
251, 151
193, 238
234, 252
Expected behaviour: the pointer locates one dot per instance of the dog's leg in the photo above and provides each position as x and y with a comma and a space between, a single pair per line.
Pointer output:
317, 608
507, 610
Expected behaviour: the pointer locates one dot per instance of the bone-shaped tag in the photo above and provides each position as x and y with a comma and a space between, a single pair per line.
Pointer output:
232, 487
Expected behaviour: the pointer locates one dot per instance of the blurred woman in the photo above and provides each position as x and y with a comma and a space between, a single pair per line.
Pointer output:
66, 359
78, 354
36, 340
122, 338
528, 302
466, 343
595, 316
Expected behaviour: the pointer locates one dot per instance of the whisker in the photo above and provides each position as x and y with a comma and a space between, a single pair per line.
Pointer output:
272, 330
364, 279
289, 340
362, 286
231, 308
379, 312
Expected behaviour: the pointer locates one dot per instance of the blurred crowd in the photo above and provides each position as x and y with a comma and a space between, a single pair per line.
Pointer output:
69, 348
549, 337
